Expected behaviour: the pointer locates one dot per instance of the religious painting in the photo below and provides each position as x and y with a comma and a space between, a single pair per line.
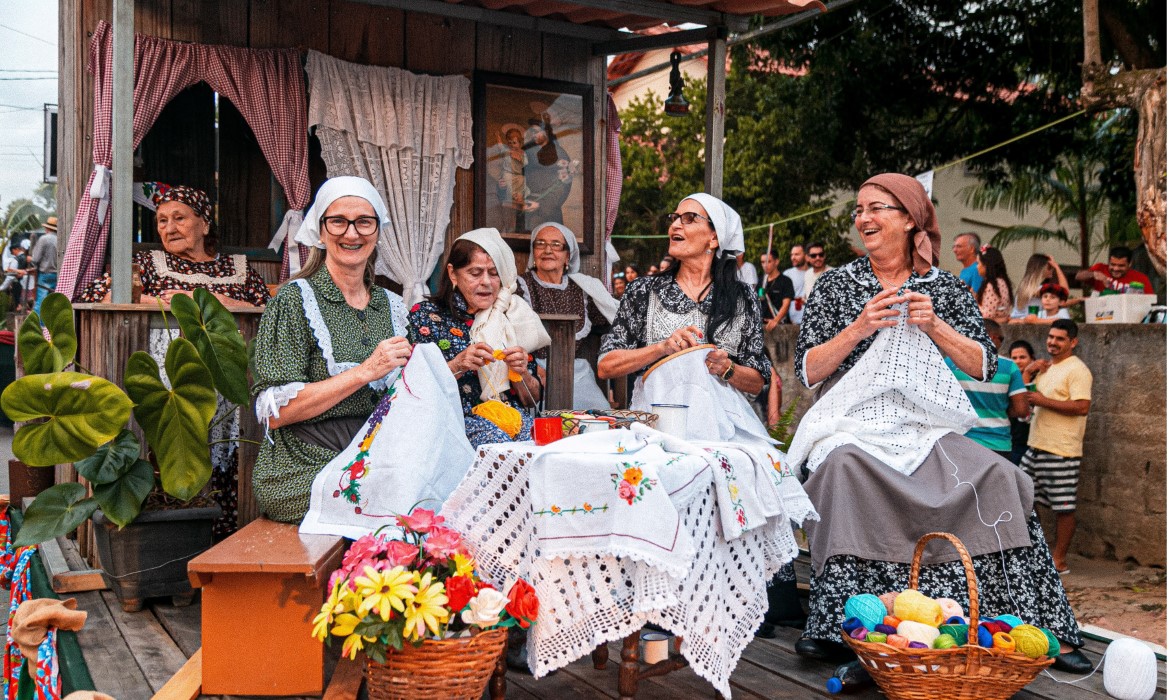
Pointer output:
533, 156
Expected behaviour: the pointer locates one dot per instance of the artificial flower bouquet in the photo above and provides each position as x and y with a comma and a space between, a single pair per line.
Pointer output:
389, 592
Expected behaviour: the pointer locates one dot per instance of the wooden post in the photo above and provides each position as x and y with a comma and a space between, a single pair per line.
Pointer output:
716, 95
558, 388
121, 197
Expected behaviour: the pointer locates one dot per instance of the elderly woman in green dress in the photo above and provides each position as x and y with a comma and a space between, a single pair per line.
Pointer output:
325, 347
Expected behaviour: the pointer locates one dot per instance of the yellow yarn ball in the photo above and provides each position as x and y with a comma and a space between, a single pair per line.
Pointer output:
502, 415
1030, 641
918, 632
1003, 641
912, 605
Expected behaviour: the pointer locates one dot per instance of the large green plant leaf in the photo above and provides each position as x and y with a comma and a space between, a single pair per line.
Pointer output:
41, 356
84, 412
112, 460
213, 330
121, 500
175, 420
57, 511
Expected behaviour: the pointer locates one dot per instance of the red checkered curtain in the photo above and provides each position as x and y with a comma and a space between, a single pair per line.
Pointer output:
267, 86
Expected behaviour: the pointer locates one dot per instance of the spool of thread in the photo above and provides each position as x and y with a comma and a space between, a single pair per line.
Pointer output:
879, 638
918, 632
957, 620
918, 645
1010, 620
859, 634
850, 624
950, 607
913, 606
886, 629
897, 640
1030, 641
866, 607
1131, 670
944, 641
1003, 641
994, 626
888, 600
985, 637
891, 621
955, 632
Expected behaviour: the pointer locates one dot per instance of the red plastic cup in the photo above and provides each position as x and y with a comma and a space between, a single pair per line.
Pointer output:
546, 430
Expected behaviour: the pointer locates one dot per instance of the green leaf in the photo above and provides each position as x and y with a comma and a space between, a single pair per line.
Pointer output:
175, 420
42, 356
84, 412
57, 511
112, 460
121, 500
213, 330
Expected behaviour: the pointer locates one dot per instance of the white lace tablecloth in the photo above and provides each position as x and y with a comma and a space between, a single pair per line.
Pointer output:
585, 601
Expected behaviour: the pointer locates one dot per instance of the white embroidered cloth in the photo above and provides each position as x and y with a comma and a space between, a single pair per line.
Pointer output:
895, 403
412, 449
601, 596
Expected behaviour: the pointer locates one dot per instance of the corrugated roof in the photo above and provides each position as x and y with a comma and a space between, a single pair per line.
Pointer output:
640, 14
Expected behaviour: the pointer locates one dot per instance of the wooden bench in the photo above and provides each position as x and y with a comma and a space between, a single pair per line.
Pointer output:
261, 589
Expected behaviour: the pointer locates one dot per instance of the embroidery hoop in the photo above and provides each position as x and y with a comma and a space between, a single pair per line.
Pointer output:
680, 353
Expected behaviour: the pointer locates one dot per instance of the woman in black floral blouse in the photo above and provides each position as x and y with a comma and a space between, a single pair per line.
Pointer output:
872, 512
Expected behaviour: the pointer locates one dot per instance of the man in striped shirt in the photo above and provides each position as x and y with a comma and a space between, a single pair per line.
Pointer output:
995, 401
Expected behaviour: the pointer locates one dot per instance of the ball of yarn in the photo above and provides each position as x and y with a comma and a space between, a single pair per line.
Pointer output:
957, 620
888, 600
891, 621
994, 626
897, 640
950, 607
886, 629
944, 641
850, 624
875, 637
1053, 643
1010, 620
502, 415
985, 637
866, 607
918, 632
956, 632
859, 634
912, 605
1003, 641
918, 645
1131, 670
1030, 641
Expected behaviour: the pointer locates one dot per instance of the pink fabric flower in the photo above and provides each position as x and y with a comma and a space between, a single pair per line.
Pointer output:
423, 330
626, 491
365, 548
420, 520
399, 553
443, 542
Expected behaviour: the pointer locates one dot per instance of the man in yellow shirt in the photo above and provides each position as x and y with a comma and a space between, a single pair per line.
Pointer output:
1060, 397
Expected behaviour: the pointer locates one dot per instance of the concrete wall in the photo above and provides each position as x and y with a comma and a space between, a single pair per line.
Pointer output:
1122, 497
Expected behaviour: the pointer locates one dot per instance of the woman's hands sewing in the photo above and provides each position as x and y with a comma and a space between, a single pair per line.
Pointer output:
472, 358
681, 339
388, 354
718, 362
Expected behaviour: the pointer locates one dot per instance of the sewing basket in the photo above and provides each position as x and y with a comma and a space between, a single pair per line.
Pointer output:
457, 669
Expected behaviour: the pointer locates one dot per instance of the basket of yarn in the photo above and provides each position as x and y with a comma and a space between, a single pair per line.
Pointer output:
571, 420
916, 652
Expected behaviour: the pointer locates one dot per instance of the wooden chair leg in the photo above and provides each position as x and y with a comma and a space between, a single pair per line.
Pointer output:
498, 685
600, 656
628, 671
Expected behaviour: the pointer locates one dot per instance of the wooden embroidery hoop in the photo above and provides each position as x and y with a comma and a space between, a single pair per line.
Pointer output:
680, 353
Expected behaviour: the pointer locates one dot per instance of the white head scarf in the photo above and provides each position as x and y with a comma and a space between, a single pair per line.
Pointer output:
592, 286
510, 321
309, 233
725, 220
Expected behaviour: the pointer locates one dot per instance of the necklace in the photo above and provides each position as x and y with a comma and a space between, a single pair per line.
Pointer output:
687, 289
883, 280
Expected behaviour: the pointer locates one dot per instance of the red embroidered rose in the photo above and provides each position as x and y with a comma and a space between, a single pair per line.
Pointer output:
626, 491
522, 603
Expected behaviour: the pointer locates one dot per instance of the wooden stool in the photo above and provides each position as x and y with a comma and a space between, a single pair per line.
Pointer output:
261, 589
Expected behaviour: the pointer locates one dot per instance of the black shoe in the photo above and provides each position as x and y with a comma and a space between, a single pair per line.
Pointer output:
822, 650
1073, 662
784, 609
766, 631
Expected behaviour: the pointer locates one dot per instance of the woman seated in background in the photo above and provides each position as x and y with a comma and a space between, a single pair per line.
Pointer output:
324, 348
995, 294
486, 333
189, 258
1040, 270
555, 285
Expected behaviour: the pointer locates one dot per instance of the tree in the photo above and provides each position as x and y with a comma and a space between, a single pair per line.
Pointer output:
29, 213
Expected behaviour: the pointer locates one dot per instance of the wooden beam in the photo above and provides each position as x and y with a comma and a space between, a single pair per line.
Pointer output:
187, 683
716, 95
121, 196
347, 679
502, 19
61, 578
640, 42
669, 12
558, 387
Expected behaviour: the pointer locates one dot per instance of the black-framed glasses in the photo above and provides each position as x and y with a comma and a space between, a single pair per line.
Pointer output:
815, 255
338, 225
874, 209
554, 246
688, 217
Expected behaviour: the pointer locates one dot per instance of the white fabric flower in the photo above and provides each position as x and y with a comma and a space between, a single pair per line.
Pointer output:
485, 608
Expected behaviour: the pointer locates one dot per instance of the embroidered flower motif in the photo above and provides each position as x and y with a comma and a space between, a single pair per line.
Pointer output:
632, 484
436, 318
555, 509
416, 307
633, 475
741, 517
456, 332
424, 330
627, 492
444, 344
587, 507
469, 322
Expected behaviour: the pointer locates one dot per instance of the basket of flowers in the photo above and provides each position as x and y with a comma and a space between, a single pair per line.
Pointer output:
429, 626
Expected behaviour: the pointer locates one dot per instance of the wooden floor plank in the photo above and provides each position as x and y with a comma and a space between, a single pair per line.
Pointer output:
186, 684
183, 624
109, 659
156, 653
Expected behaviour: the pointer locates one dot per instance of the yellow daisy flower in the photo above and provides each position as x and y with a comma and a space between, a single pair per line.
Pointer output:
427, 609
464, 565
382, 590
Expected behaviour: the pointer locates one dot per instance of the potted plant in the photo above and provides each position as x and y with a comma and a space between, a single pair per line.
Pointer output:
419, 611
72, 416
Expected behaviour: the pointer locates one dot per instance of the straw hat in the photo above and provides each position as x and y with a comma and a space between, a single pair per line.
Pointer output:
51, 224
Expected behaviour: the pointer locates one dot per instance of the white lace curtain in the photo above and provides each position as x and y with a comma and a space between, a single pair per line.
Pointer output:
406, 134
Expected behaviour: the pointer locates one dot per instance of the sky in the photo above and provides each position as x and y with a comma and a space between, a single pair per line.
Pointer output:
28, 49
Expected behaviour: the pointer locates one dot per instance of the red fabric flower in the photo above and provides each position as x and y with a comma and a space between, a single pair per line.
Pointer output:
522, 603
460, 590
416, 307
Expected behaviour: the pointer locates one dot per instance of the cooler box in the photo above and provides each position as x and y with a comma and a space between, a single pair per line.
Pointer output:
1118, 308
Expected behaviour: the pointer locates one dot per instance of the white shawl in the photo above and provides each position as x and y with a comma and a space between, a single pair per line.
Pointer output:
592, 286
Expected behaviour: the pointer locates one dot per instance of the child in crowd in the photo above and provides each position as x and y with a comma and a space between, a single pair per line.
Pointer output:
1051, 298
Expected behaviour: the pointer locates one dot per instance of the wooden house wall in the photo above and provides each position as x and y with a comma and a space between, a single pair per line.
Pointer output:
351, 31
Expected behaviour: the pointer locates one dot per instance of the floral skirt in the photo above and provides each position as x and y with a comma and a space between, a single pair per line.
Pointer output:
1020, 581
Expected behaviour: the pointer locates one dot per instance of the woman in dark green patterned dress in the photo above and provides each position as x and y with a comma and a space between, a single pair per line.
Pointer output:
325, 347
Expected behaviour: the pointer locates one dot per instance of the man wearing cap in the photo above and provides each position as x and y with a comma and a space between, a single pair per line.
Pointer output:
13, 263
43, 262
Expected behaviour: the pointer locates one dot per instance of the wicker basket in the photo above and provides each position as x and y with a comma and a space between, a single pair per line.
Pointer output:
458, 669
969, 672
622, 419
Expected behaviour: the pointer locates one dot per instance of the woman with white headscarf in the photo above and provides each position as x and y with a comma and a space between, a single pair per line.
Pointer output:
487, 334
325, 346
555, 285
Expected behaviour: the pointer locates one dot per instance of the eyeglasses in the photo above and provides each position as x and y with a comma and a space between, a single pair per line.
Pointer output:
815, 255
554, 246
688, 218
338, 225
874, 209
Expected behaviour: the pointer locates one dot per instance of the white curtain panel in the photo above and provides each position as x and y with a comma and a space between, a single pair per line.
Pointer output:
406, 134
